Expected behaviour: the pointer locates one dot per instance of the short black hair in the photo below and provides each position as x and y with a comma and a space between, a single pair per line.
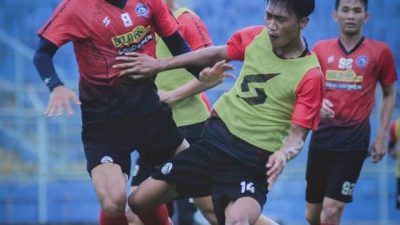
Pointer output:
302, 8
364, 2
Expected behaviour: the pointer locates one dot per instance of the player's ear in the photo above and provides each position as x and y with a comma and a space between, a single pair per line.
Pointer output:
304, 22
366, 17
334, 15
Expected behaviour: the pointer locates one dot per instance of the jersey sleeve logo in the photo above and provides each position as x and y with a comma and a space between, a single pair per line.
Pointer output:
142, 10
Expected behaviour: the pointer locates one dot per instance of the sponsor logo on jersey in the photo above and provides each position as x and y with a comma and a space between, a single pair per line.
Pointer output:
166, 169
343, 75
343, 79
346, 64
142, 10
106, 159
135, 47
133, 37
362, 61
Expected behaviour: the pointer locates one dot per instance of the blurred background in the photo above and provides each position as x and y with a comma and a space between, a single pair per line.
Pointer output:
43, 178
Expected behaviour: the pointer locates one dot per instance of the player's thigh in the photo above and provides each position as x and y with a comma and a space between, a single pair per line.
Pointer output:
205, 205
344, 173
150, 194
313, 212
110, 184
236, 180
244, 209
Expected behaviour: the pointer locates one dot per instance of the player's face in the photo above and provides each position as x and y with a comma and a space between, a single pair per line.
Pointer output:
283, 26
350, 16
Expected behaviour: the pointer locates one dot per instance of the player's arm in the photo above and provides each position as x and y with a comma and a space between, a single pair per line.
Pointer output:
141, 65
378, 148
290, 149
194, 86
195, 33
60, 95
304, 118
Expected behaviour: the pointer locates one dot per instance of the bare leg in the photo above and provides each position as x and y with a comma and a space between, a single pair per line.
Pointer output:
313, 213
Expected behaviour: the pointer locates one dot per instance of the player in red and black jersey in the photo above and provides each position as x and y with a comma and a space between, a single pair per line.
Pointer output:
118, 114
352, 65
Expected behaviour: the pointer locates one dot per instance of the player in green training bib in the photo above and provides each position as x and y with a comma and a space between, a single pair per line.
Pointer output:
256, 127
190, 109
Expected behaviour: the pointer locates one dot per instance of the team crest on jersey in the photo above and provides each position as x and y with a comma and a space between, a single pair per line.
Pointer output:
362, 61
142, 10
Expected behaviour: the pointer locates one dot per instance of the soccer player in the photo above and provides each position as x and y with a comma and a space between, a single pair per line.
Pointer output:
255, 128
395, 152
118, 114
352, 66
179, 89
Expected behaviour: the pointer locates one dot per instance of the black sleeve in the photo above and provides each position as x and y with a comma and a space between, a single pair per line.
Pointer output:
177, 45
43, 61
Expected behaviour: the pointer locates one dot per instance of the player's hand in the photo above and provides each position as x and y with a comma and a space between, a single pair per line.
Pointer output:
378, 149
275, 165
166, 97
327, 109
137, 65
60, 100
217, 73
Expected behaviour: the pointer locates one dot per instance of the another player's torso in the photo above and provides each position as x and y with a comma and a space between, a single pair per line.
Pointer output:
259, 107
350, 83
190, 110
113, 32
100, 32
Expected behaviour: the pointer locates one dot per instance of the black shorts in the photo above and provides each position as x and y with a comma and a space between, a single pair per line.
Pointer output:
142, 171
206, 168
332, 174
154, 135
